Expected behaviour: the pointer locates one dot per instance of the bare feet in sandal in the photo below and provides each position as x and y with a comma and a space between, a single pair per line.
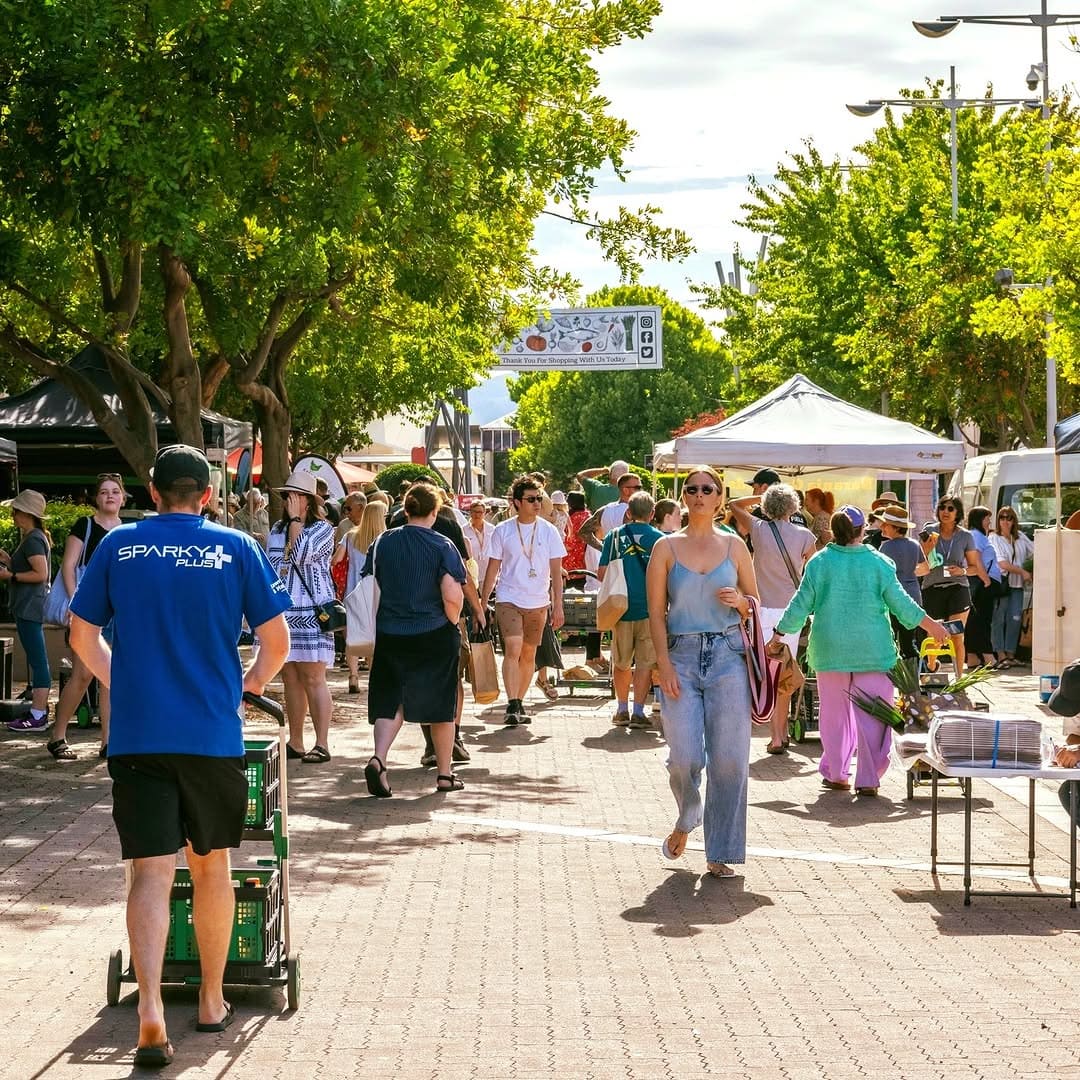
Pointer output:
720, 870
675, 844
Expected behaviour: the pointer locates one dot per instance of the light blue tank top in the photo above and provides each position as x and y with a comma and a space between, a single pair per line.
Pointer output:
692, 604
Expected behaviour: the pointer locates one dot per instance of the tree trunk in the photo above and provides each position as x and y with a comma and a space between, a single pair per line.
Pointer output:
182, 376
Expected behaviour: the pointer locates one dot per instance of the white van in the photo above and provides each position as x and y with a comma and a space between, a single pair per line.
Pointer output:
1022, 479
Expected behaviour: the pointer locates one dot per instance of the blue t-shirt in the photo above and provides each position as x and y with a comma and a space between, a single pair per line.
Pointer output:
177, 588
409, 565
635, 541
905, 554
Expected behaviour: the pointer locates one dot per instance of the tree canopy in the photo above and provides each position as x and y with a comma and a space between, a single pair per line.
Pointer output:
329, 201
871, 287
573, 420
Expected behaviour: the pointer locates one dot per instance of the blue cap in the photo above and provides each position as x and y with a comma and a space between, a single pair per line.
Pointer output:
854, 515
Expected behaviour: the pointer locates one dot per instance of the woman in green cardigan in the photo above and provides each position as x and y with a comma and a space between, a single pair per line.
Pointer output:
850, 589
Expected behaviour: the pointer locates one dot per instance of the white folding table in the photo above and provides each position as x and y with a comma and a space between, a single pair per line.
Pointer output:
966, 776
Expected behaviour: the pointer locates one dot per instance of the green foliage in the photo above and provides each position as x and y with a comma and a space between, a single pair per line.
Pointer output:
391, 478
871, 287
573, 420
326, 208
59, 519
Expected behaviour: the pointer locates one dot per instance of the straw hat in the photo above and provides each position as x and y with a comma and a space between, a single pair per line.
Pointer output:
28, 502
303, 483
894, 514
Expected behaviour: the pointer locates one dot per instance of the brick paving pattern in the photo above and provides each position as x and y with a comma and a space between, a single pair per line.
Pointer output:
529, 927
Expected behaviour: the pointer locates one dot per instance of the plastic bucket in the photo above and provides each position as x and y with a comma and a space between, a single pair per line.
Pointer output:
1047, 685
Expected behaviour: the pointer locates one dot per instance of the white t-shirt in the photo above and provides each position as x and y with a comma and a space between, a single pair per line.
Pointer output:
525, 552
480, 542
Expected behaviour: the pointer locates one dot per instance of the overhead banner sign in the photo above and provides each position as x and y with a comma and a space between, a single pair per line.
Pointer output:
587, 339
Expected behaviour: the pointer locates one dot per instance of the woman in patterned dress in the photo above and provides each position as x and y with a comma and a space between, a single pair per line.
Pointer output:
300, 546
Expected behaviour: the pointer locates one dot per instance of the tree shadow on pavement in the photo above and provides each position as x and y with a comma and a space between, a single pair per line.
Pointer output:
685, 902
846, 810
110, 1040
503, 740
619, 740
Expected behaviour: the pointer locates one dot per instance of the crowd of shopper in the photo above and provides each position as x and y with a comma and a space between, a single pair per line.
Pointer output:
690, 568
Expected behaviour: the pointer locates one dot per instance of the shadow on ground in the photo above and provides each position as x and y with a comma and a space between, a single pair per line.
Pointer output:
685, 902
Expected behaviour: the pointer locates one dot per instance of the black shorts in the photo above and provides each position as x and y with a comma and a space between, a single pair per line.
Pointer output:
942, 601
163, 801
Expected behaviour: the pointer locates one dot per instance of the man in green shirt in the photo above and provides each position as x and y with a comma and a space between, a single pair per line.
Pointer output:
597, 493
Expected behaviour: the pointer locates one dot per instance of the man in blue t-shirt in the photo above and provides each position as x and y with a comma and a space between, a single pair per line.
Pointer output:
177, 588
632, 655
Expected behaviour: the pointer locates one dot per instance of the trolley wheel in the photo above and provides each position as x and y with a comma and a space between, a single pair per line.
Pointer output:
802, 706
292, 982
82, 715
112, 983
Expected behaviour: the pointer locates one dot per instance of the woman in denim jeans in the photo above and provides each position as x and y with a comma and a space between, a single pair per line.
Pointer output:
1013, 549
698, 582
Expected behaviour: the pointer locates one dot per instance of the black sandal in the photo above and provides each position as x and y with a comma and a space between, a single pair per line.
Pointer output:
61, 751
317, 755
454, 782
374, 772
291, 754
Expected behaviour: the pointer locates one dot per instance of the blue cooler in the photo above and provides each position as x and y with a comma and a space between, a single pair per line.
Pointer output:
1047, 685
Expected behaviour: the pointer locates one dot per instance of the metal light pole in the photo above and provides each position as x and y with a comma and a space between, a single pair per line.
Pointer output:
953, 104
1038, 75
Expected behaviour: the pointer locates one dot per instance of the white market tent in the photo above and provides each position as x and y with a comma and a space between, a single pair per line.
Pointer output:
800, 428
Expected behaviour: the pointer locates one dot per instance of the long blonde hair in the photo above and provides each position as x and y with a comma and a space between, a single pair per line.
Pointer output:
372, 523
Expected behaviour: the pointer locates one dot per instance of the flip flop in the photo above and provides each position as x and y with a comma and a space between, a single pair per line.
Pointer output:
720, 870
154, 1057
222, 1024
373, 775
675, 844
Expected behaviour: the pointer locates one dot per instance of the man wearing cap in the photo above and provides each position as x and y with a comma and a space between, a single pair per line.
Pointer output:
1065, 701
763, 480
177, 588
873, 537
597, 493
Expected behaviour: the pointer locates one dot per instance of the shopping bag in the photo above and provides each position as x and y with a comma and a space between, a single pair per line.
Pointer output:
361, 607
762, 668
611, 598
483, 672
56, 604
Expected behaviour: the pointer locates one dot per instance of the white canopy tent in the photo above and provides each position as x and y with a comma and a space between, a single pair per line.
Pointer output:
800, 428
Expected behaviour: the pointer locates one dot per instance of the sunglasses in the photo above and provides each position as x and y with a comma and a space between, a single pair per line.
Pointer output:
949, 507
1006, 517
109, 476
533, 498
631, 487
703, 489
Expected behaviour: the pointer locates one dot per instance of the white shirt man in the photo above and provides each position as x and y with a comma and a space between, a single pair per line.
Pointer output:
526, 559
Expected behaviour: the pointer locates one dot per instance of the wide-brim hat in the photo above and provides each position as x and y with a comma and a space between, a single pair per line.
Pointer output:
886, 498
558, 498
28, 502
304, 483
893, 514
1065, 700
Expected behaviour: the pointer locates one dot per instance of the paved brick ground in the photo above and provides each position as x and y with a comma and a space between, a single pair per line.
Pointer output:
528, 926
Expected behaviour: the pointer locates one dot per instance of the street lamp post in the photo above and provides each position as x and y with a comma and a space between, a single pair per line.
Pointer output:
953, 104
1039, 75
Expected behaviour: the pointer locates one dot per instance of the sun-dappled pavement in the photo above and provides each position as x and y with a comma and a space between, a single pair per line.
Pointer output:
529, 927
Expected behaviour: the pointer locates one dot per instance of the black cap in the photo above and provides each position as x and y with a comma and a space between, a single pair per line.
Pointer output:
765, 476
1065, 700
179, 462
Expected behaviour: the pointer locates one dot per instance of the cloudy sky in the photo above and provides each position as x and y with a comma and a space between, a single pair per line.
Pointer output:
723, 89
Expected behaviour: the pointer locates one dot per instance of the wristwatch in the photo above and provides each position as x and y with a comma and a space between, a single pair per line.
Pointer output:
301, 520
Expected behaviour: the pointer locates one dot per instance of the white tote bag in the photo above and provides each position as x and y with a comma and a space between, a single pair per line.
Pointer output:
361, 607
612, 599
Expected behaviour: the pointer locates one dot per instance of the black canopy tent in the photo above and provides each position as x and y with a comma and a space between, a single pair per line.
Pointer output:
9, 465
61, 446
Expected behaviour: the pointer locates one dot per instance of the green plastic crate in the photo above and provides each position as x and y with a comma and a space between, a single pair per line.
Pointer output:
262, 764
255, 937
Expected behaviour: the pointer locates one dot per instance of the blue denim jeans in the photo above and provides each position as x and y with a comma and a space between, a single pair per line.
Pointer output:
707, 728
32, 638
1005, 624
